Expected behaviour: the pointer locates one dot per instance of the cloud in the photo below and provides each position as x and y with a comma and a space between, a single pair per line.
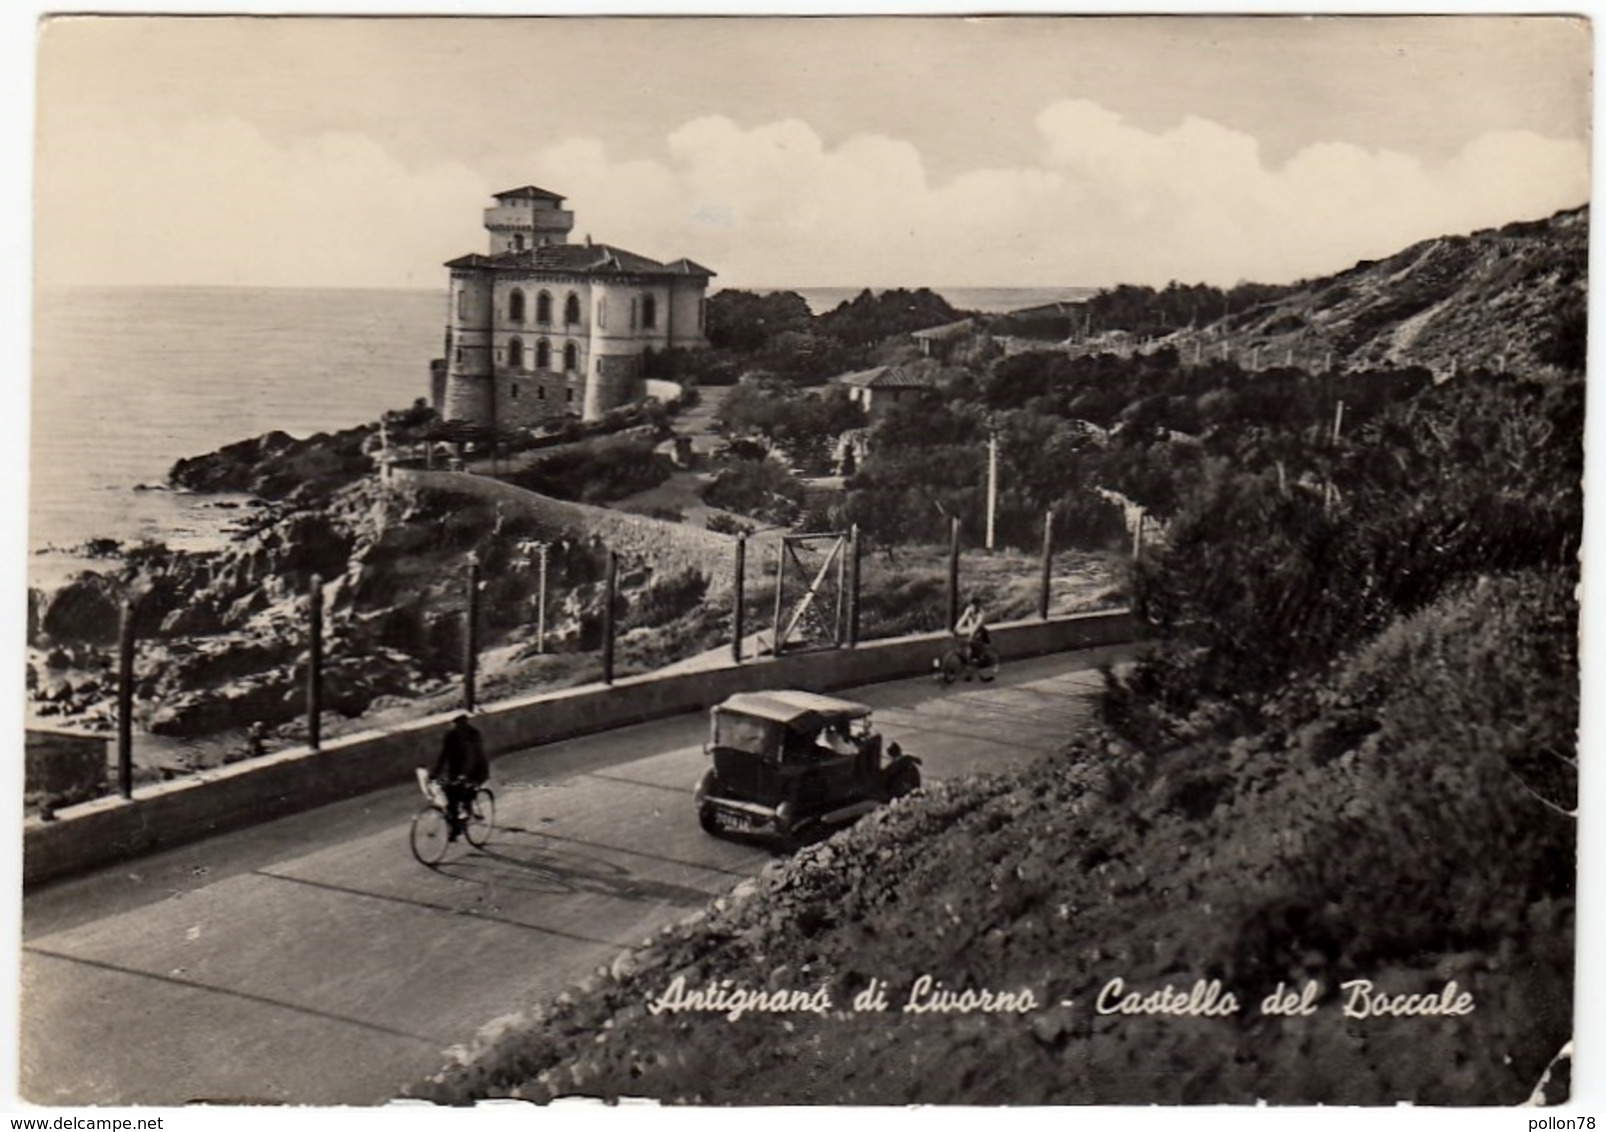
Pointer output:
1102, 201
217, 202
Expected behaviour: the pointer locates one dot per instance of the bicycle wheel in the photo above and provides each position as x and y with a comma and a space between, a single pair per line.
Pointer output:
481, 818
431, 835
951, 667
987, 663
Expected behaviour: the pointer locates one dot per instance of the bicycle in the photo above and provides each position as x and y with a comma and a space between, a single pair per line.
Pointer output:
962, 660
434, 824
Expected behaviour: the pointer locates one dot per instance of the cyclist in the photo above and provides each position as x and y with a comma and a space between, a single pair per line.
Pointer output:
972, 626
461, 770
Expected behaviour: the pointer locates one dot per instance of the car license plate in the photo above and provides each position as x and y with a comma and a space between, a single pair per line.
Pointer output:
737, 821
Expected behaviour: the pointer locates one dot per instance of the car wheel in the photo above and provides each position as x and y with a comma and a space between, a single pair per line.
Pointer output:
705, 811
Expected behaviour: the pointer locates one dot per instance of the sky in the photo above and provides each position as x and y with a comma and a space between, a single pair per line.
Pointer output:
932, 150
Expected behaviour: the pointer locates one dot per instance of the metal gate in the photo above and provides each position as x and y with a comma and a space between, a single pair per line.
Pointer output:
817, 615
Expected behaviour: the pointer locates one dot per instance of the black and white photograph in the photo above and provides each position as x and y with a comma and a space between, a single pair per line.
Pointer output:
770, 560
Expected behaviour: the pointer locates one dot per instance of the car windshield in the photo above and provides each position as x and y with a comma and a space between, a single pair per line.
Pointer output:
745, 733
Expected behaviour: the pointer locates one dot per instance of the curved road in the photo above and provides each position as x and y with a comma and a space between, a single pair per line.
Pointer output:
311, 960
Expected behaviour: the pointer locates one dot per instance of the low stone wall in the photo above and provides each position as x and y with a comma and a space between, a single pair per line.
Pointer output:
242, 794
63, 765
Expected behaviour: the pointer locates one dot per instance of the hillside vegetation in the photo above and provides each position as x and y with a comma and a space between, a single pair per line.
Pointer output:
1349, 753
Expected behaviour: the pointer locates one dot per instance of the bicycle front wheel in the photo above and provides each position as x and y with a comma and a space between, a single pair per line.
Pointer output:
431, 836
481, 818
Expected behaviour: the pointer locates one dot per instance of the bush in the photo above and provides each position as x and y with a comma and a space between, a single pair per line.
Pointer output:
596, 471
723, 524
764, 491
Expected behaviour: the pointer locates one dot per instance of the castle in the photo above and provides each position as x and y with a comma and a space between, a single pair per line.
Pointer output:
540, 327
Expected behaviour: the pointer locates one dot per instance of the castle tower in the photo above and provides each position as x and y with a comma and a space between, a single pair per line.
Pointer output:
526, 218
469, 393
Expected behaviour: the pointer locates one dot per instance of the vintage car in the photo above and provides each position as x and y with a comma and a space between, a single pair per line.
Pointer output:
792, 764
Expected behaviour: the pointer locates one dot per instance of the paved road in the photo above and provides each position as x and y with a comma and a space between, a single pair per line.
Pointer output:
312, 960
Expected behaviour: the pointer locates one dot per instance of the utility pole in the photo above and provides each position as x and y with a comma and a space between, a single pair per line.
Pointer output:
992, 485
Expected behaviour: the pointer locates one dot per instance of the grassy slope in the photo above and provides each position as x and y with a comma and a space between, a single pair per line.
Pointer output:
1222, 858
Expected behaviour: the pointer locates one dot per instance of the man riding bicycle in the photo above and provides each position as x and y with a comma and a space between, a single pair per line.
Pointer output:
972, 627
461, 770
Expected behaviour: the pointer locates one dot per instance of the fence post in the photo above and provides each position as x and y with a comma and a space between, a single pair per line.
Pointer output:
776, 643
1048, 565
540, 604
315, 662
611, 590
853, 586
471, 638
125, 701
737, 581
953, 572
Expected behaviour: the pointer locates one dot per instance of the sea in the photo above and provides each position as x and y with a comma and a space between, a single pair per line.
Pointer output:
128, 380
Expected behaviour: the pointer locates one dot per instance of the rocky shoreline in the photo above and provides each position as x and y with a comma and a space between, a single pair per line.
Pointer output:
222, 634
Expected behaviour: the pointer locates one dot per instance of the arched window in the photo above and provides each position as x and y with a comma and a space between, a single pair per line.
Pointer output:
543, 355
515, 353
571, 310
515, 306
571, 357
543, 308
649, 312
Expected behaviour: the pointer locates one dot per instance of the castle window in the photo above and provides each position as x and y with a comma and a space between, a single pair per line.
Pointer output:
571, 310
702, 314
540, 393
515, 306
571, 357
462, 304
632, 312
543, 355
513, 391
518, 243
649, 312
515, 354
543, 308
568, 395
459, 353
602, 311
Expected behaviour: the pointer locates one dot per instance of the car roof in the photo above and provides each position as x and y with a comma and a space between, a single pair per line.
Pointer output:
789, 707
